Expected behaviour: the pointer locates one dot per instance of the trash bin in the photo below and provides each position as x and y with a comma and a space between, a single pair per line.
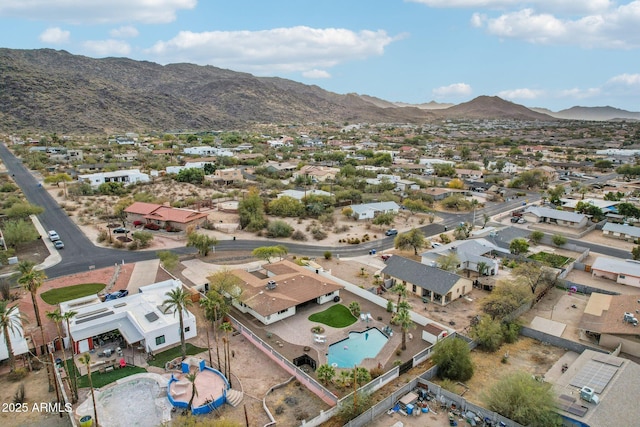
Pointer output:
409, 409
234, 237
373, 251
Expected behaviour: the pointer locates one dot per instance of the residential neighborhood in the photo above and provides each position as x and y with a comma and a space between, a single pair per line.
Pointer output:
326, 263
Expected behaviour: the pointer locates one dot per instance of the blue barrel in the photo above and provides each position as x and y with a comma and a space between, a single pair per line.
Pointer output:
409, 409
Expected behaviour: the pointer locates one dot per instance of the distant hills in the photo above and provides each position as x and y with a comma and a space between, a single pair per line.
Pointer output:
55, 91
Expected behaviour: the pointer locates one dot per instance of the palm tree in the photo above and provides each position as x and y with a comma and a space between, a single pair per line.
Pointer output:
86, 360
326, 373
57, 319
403, 318
483, 267
194, 391
401, 290
31, 280
67, 317
226, 327
10, 322
179, 300
213, 307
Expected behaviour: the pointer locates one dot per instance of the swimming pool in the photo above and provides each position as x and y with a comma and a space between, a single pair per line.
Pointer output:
350, 351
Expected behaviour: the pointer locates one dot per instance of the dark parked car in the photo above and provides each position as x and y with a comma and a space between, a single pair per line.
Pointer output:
385, 256
120, 230
515, 219
117, 294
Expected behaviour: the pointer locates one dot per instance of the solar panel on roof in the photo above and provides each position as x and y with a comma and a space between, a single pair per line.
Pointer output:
595, 375
88, 319
151, 317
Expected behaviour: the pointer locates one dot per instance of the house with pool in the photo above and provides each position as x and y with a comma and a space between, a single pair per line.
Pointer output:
272, 292
140, 320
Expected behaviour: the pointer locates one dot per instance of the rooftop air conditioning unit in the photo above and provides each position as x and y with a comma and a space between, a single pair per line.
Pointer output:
271, 285
589, 395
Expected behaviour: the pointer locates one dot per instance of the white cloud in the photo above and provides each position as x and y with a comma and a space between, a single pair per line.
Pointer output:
560, 6
456, 89
577, 93
294, 49
316, 74
522, 93
125, 32
109, 47
607, 27
93, 11
625, 80
55, 35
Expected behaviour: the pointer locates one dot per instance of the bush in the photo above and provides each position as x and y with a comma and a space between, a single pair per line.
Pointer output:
279, 229
389, 306
376, 372
17, 374
20, 395
318, 233
152, 226
299, 236
327, 255
445, 238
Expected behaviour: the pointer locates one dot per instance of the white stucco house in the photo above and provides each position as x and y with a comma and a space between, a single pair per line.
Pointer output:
19, 343
131, 176
205, 150
141, 319
623, 271
370, 210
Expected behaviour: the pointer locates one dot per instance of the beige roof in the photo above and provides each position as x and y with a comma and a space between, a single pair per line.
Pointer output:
604, 314
294, 285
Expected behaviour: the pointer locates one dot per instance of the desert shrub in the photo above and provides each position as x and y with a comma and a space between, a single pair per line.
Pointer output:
389, 306
102, 236
445, 238
152, 226
118, 244
133, 246
341, 229
327, 255
318, 233
376, 372
279, 228
299, 236
17, 374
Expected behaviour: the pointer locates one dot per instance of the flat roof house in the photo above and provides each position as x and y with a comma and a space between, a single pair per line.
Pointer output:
425, 281
131, 176
140, 319
273, 291
371, 210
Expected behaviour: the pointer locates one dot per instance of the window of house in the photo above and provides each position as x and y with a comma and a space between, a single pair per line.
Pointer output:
160, 340
187, 329
622, 276
413, 289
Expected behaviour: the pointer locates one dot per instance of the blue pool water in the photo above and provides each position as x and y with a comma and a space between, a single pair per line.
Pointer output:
358, 346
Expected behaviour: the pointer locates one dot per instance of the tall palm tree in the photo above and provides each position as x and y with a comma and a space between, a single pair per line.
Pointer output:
226, 327
212, 305
67, 317
57, 318
86, 360
178, 300
31, 280
10, 322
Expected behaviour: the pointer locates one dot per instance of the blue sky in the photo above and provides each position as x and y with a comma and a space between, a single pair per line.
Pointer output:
539, 53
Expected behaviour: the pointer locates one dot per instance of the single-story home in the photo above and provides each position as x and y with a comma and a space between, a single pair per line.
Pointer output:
428, 282
471, 253
140, 319
625, 272
317, 173
604, 321
537, 214
19, 343
226, 176
621, 231
164, 216
131, 176
371, 210
299, 194
272, 292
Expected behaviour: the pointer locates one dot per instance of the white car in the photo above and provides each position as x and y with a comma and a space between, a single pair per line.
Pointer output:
53, 236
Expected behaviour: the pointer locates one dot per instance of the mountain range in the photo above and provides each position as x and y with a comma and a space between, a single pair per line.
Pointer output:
55, 91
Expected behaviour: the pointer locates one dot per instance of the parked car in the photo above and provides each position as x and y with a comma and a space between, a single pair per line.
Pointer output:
58, 244
53, 236
120, 230
391, 232
515, 219
521, 220
385, 256
117, 294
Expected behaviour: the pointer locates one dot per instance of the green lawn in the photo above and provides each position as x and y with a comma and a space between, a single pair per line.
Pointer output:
336, 316
162, 358
554, 260
100, 380
56, 296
